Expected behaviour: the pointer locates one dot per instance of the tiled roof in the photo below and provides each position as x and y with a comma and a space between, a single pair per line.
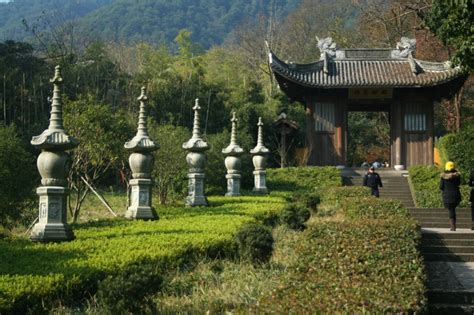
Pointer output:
365, 72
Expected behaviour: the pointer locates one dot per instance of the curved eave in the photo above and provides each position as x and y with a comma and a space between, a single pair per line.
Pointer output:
391, 73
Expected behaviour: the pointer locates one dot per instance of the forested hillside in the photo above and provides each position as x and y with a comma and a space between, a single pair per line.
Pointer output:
153, 21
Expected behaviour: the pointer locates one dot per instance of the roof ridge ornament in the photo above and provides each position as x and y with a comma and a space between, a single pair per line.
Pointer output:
405, 47
326, 47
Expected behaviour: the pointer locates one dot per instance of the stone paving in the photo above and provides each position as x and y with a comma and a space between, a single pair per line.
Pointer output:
450, 276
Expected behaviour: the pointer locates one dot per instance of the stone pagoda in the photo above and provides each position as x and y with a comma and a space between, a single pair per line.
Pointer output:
232, 161
259, 159
53, 165
196, 159
141, 164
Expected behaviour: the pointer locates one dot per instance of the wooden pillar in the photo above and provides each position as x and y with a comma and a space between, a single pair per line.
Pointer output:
340, 133
396, 133
310, 130
430, 132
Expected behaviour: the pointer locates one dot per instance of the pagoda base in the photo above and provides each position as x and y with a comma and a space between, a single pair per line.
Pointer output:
196, 196
233, 185
140, 197
52, 226
260, 185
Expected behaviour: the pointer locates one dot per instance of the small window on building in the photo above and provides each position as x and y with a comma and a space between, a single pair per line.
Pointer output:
415, 118
324, 117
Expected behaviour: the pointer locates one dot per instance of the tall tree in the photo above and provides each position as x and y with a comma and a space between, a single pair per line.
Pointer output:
452, 22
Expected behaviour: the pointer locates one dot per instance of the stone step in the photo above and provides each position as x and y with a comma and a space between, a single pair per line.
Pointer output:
447, 242
440, 249
451, 309
447, 235
384, 192
450, 297
459, 225
439, 209
441, 218
445, 215
440, 213
448, 257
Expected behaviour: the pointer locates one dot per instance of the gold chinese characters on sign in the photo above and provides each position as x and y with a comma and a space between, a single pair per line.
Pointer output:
370, 93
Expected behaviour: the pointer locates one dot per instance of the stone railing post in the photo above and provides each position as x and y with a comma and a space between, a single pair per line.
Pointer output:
196, 159
259, 159
232, 161
141, 164
53, 165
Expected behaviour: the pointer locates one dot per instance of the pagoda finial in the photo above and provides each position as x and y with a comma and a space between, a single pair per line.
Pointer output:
260, 132
233, 136
56, 119
196, 130
142, 125
142, 142
260, 147
196, 143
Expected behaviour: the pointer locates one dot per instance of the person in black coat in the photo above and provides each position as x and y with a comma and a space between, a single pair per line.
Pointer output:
449, 186
471, 198
373, 180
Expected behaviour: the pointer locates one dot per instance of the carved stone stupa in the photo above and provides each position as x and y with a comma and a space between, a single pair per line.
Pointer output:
232, 161
141, 164
53, 165
196, 159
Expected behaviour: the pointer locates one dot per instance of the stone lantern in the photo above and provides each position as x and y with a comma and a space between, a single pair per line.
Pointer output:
259, 159
196, 159
141, 164
53, 165
232, 161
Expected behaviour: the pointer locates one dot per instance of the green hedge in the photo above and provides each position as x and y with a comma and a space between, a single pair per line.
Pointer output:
366, 263
302, 179
425, 181
33, 276
459, 148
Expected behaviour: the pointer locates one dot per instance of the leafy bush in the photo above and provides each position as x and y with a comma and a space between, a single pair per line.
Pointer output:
255, 242
459, 148
363, 266
309, 199
295, 215
126, 289
18, 177
303, 179
332, 198
425, 181
368, 263
373, 208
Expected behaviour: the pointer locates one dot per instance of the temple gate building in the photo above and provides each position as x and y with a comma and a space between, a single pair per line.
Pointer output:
390, 80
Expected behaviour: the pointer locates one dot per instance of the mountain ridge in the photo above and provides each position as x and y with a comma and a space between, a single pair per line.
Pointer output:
154, 21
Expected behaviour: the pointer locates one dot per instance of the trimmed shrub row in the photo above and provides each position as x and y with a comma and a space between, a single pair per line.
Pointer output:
366, 263
293, 180
425, 181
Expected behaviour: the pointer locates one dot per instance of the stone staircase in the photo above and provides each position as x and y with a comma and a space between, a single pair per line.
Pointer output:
395, 185
449, 260
448, 255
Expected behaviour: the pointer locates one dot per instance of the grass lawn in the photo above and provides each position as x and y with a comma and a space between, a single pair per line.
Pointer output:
30, 271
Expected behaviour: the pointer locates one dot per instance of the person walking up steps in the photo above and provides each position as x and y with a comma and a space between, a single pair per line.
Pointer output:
373, 180
449, 186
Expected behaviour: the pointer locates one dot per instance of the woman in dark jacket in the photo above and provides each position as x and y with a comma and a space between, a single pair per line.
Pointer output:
471, 198
449, 185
